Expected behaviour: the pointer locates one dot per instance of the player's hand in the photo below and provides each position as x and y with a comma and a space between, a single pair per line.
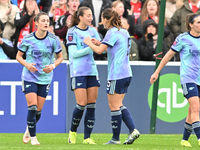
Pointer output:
95, 41
87, 40
48, 68
31, 67
153, 78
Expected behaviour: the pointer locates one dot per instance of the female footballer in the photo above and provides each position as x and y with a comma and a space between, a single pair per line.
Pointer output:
119, 73
83, 72
39, 48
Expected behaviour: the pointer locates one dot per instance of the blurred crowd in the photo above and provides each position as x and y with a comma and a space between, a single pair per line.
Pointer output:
139, 17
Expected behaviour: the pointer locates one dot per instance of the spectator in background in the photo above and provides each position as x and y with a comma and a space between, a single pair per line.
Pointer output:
177, 23
24, 21
6, 47
170, 9
64, 52
118, 6
97, 7
133, 55
17, 2
147, 44
45, 5
7, 15
134, 6
150, 10
65, 20
58, 9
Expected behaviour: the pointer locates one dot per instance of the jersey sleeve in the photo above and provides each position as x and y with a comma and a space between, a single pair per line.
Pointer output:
57, 46
177, 45
23, 46
71, 38
110, 39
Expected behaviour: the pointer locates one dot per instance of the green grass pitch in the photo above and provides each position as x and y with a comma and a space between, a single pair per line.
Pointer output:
13, 141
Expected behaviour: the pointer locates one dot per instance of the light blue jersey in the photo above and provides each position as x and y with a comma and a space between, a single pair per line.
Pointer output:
189, 48
40, 52
118, 43
81, 55
3, 56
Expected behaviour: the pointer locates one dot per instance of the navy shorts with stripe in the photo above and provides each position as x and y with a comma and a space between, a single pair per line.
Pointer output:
39, 89
84, 82
119, 86
190, 90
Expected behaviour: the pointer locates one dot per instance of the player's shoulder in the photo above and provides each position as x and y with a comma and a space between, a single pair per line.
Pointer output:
72, 29
51, 35
183, 35
29, 36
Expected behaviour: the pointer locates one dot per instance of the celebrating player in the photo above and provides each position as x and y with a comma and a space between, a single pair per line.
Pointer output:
117, 42
83, 72
188, 46
37, 74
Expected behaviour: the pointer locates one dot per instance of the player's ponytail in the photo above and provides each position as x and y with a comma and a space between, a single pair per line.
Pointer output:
112, 17
75, 18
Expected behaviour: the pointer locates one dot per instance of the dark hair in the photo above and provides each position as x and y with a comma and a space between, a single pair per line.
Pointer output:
37, 17
75, 18
112, 17
190, 19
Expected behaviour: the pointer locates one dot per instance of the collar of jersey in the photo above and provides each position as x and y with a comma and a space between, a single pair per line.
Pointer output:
40, 38
82, 29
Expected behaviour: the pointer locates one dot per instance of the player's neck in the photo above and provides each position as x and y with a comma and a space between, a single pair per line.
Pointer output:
82, 26
40, 34
195, 34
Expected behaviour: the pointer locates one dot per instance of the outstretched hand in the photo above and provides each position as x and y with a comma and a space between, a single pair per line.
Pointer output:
153, 78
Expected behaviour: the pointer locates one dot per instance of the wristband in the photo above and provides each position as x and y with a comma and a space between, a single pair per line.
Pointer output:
54, 66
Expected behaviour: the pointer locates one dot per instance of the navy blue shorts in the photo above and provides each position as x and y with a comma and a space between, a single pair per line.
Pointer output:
190, 90
119, 86
84, 82
31, 87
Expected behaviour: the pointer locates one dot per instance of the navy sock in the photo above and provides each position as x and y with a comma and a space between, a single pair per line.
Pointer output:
116, 120
76, 117
38, 115
89, 120
187, 131
31, 120
127, 118
196, 127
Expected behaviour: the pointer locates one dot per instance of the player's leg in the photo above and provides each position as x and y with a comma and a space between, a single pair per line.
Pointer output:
128, 120
30, 90
115, 101
93, 84
191, 92
187, 130
79, 87
42, 93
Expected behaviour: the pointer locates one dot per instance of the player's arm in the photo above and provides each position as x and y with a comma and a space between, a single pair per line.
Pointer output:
163, 62
20, 59
98, 49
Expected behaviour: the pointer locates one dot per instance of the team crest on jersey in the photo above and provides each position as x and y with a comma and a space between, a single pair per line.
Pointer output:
70, 37
174, 43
